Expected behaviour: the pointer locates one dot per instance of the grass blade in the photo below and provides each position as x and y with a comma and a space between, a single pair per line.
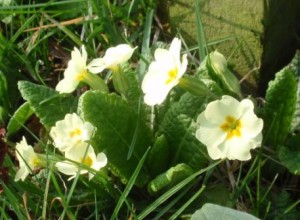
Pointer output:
172, 191
129, 185
202, 46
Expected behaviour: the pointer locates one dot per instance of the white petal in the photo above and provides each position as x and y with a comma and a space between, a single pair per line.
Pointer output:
66, 85
101, 161
67, 168
155, 97
216, 151
88, 130
238, 149
184, 63
97, 65
84, 54
175, 47
118, 55
165, 58
218, 110
210, 136
21, 174
251, 124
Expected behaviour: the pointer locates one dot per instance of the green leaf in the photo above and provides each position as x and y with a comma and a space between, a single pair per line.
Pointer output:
280, 106
179, 126
290, 159
19, 118
159, 156
170, 178
216, 212
133, 92
114, 120
46, 103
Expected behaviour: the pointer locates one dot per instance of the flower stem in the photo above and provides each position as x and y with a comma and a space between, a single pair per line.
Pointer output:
95, 82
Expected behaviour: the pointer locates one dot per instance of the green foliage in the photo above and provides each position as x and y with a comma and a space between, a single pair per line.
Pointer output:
133, 91
170, 178
218, 70
216, 212
279, 109
46, 103
159, 156
113, 119
19, 118
179, 127
290, 159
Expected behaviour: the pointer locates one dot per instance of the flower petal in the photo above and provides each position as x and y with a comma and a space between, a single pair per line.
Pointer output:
97, 65
251, 124
66, 85
208, 133
218, 110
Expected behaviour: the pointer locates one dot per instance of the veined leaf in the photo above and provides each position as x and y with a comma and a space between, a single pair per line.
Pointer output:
46, 103
280, 106
159, 156
114, 120
171, 177
134, 91
19, 118
290, 159
179, 126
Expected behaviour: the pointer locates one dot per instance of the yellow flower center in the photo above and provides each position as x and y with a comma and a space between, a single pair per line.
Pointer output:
81, 76
232, 126
35, 162
88, 161
75, 132
172, 75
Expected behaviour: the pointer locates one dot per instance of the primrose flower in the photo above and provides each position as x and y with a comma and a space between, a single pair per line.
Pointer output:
229, 129
114, 56
163, 73
75, 72
28, 160
81, 153
70, 131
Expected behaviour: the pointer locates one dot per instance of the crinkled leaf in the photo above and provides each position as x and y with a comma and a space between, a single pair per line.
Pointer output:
179, 126
46, 103
19, 118
216, 212
171, 177
115, 121
133, 92
280, 105
159, 156
290, 159
295, 66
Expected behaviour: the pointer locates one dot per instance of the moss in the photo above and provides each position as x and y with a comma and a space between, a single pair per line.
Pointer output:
235, 24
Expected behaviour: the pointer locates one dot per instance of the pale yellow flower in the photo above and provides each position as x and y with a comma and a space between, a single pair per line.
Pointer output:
28, 160
229, 129
163, 73
70, 131
81, 153
75, 72
113, 57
